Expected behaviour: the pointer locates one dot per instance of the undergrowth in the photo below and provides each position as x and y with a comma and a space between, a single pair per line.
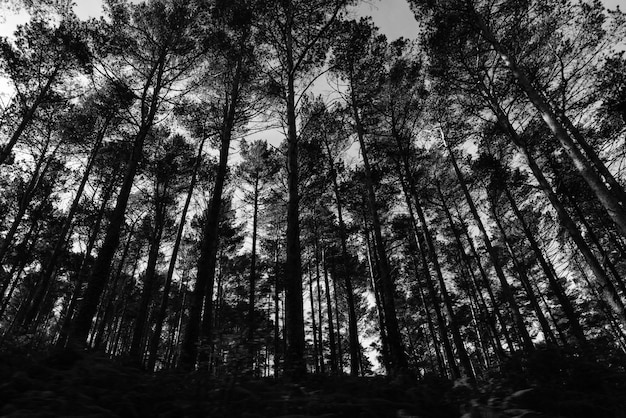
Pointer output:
67, 383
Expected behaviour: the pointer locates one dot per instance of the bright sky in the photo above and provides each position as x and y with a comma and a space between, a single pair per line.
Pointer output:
393, 17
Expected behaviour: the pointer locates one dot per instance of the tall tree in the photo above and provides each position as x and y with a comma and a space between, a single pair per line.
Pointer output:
258, 167
359, 59
234, 55
295, 31
159, 43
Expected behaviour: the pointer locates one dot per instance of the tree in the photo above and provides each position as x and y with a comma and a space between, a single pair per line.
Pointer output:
258, 167
162, 39
295, 32
227, 113
359, 62
166, 166
162, 310
38, 64
98, 113
327, 128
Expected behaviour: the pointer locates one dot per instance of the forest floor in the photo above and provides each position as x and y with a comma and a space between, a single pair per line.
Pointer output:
70, 384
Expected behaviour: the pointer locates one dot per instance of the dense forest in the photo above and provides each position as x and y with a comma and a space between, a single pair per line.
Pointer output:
250, 190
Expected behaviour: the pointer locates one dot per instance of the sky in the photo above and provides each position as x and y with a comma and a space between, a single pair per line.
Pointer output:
393, 17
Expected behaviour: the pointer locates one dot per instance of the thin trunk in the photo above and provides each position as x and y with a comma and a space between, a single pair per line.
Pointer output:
548, 309
139, 332
41, 168
567, 306
487, 284
353, 336
118, 275
18, 269
615, 187
205, 277
436, 303
506, 288
338, 324
182, 290
397, 360
315, 344
100, 273
294, 357
320, 311
80, 275
523, 276
373, 270
251, 303
160, 317
478, 325
276, 311
430, 245
431, 324
414, 248
452, 326
28, 117
489, 317
606, 260
46, 276
614, 325
329, 311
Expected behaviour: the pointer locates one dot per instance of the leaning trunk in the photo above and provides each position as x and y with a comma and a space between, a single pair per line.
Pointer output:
205, 277
608, 199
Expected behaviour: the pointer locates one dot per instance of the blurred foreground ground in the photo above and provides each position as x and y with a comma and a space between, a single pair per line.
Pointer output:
71, 384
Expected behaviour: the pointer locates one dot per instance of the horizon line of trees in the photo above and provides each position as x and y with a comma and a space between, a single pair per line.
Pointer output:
485, 217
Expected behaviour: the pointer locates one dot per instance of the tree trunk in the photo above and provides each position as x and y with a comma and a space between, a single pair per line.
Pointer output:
610, 202
452, 326
80, 275
506, 288
294, 357
431, 324
353, 335
608, 291
18, 269
205, 277
487, 284
606, 260
112, 293
320, 314
338, 324
523, 276
483, 305
27, 118
374, 278
414, 248
160, 317
398, 363
329, 311
277, 344
316, 353
251, 303
139, 332
46, 276
102, 267
568, 309
41, 168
